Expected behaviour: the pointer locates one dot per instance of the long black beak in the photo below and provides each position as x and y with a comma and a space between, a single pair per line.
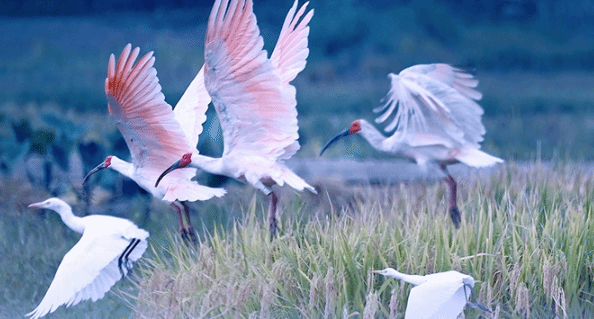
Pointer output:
93, 171
340, 136
167, 171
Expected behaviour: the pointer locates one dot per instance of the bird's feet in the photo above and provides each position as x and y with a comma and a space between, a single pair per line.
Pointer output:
455, 215
273, 226
192, 235
189, 237
474, 303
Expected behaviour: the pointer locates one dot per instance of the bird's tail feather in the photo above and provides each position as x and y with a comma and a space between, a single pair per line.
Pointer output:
296, 182
477, 158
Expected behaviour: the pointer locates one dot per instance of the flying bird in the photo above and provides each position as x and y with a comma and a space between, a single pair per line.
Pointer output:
437, 122
156, 136
103, 255
437, 296
253, 99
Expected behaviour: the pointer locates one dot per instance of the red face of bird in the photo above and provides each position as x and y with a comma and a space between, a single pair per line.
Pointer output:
106, 163
353, 129
183, 162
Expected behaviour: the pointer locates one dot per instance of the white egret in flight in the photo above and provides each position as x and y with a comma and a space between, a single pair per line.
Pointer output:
437, 296
103, 255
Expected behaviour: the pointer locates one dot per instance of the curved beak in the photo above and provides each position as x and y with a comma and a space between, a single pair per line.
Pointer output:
93, 171
338, 137
167, 171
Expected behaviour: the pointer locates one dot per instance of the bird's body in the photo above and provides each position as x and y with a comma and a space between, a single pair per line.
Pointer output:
437, 122
252, 96
441, 295
155, 134
103, 255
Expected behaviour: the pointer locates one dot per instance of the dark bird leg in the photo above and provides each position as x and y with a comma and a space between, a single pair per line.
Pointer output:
472, 302
272, 214
454, 213
124, 263
182, 227
190, 228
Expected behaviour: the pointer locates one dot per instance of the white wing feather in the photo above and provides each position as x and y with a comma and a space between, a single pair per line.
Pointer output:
90, 268
190, 110
457, 78
430, 103
258, 114
437, 298
290, 53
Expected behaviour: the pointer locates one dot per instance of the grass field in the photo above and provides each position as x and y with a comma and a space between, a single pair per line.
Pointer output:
526, 237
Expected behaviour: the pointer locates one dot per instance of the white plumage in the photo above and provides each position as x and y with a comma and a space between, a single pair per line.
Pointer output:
156, 136
103, 255
253, 98
436, 296
431, 110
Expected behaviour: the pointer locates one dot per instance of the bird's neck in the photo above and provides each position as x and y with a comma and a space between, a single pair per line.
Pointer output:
122, 167
411, 279
212, 165
373, 136
73, 222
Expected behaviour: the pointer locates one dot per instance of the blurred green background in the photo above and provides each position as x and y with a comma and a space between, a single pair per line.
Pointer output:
533, 60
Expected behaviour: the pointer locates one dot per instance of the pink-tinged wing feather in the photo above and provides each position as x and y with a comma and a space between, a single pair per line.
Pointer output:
190, 110
290, 53
258, 114
138, 108
148, 125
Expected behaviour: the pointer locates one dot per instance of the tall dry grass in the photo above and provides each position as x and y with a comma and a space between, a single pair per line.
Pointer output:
526, 236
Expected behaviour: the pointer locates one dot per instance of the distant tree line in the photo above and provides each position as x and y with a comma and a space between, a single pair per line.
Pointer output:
568, 13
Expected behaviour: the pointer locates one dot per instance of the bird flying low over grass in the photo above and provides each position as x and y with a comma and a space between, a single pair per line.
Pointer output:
437, 122
155, 134
437, 296
253, 99
103, 255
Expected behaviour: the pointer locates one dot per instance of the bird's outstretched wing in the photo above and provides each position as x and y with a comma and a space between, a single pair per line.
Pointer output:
290, 53
190, 110
147, 123
437, 299
140, 112
258, 114
459, 79
94, 264
435, 102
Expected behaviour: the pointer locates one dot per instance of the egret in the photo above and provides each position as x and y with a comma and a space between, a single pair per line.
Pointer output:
104, 254
156, 135
253, 99
441, 295
437, 122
